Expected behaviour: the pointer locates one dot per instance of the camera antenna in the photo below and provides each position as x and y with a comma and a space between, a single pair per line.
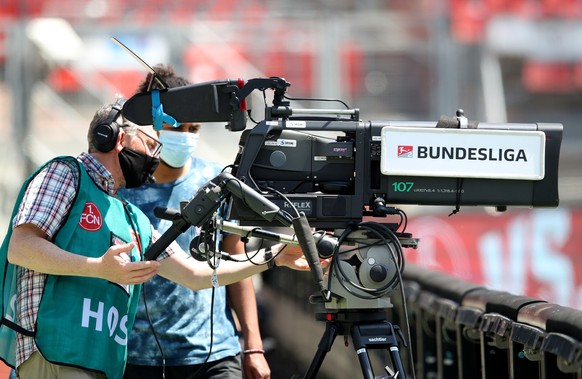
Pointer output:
149, 68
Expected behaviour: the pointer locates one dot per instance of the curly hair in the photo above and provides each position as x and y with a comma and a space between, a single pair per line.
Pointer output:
167, 74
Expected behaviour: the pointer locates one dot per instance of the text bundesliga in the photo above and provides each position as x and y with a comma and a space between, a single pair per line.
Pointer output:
471, 153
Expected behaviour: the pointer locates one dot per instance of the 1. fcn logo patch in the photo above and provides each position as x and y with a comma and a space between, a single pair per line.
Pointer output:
91, 219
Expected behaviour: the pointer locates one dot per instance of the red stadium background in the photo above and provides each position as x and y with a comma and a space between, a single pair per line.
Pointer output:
529, 252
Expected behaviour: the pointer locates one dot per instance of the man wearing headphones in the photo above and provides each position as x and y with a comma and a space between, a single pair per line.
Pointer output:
74, 254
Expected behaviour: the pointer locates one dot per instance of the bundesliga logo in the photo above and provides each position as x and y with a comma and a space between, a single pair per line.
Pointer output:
405, 151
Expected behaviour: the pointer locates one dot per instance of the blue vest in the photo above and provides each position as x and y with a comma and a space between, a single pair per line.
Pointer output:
82, 321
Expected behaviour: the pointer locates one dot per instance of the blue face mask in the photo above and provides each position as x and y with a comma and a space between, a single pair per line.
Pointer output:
178, 147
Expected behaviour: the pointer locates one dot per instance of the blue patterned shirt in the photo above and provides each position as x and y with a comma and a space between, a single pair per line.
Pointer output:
180, 317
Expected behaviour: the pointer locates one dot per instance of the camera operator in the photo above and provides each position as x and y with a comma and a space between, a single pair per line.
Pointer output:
194, 342
73, 256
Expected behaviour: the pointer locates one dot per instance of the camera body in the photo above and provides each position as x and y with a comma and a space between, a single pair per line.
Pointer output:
337, 180
354, 173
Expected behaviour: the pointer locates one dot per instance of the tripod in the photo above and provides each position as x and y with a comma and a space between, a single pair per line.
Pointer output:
369, 330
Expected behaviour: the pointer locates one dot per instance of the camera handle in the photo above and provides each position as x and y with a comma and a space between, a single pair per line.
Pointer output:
201, 208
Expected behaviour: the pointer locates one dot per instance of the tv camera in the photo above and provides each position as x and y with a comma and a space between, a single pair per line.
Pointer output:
326, 169
337, 180
337, 170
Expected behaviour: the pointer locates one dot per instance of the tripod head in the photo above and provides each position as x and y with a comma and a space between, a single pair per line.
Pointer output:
366, 266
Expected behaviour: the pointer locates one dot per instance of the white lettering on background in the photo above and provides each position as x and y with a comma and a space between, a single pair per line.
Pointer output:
115, 324
530, 244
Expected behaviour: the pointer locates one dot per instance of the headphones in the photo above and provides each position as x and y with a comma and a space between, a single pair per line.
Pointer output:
105, 134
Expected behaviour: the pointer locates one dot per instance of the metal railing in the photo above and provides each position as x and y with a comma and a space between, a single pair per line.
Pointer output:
464, 330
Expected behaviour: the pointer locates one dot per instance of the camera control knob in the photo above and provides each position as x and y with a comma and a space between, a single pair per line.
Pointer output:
378, 273
376, 270
277, 158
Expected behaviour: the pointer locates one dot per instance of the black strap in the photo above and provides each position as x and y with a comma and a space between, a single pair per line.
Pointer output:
458, 197
17, 328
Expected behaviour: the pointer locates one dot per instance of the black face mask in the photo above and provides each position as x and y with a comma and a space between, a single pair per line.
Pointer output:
137, 168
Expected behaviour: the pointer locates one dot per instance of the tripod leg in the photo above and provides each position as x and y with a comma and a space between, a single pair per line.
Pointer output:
331, 331
374, 336
395, 354
365, 362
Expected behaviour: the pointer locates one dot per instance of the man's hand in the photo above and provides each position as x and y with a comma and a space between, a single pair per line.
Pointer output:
255, 366
292, 256
116, 266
